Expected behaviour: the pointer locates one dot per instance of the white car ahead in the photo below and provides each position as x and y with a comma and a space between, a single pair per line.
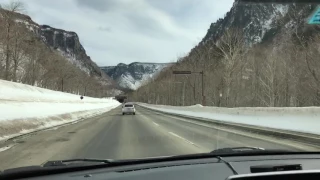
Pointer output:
128, 108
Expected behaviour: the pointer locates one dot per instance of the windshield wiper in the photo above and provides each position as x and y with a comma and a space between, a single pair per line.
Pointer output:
54, 167
214, 153
75, 162
234, 151
237, 149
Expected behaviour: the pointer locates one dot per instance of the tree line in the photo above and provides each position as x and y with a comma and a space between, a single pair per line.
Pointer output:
25, 58
284, 72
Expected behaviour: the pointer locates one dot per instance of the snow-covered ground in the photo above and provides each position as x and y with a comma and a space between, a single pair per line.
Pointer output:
25, 108
302, 119
21, 92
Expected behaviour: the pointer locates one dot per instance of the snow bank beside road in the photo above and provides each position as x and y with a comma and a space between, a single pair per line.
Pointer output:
12, 128
12, 91
302, 119
27, 110
24, 108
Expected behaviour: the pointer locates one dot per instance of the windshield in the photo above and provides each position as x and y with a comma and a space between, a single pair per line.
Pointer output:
126, 79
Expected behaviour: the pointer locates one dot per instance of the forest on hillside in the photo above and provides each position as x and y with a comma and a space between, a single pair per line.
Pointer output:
26, 58
283, 71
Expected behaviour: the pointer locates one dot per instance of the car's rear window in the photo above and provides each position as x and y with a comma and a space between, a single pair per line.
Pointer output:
128, 105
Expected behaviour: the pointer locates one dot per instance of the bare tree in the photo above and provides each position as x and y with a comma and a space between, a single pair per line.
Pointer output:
8, 13
18, 53
231, 48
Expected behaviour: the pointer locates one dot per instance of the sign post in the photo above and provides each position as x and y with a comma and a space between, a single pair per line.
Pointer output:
202, 82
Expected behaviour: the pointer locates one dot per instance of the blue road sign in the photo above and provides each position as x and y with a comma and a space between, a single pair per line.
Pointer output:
315, 17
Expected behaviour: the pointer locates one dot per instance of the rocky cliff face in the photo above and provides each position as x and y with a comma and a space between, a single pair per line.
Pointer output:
260, 22
47, 57
134, 75
67, 43
275, 66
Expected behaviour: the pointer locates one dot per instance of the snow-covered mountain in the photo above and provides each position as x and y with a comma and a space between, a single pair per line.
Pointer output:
47, 57
258, 54
66, 43
133, 75
260, 22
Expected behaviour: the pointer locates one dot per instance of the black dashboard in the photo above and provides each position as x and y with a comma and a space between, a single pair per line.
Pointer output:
205, 169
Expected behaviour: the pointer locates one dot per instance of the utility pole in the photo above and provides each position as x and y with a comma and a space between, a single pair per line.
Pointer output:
183, 92
62, 89
170, 93
203, 97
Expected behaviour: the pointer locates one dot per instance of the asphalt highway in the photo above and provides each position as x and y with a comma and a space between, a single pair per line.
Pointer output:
116, 136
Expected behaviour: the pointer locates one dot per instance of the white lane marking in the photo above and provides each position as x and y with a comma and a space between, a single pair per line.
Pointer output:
176, 135
155, 124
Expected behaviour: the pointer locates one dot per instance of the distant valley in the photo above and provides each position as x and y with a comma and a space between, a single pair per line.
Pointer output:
132, 76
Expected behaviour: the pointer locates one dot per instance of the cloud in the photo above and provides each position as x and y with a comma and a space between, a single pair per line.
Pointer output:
114, 31
100, 5
102, 28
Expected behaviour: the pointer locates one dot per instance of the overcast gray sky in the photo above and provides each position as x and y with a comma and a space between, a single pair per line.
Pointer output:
114, 31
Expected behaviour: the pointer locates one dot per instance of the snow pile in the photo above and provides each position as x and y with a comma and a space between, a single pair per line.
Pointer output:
25, 108
302, 119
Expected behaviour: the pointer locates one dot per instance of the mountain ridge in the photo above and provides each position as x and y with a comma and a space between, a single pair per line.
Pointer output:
65, 42
257, 55
49, 57
132, 76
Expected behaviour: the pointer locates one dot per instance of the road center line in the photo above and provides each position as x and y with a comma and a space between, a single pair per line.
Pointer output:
155, 124
176, 135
